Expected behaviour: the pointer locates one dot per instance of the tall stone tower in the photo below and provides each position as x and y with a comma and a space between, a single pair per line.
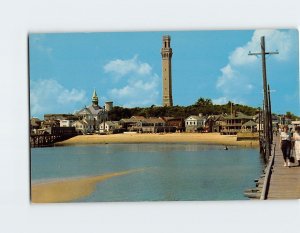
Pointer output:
166, 54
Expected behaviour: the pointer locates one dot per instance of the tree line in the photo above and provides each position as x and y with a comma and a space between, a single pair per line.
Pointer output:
202, 105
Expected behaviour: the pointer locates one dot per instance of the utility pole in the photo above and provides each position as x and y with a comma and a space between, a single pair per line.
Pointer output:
103, 114
270, 115
267, 107
259, 128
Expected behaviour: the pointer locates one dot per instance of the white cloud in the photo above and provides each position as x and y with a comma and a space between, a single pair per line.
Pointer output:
48, 95
228, 74
123, 67
235, 81
67, 96
141, 84
275, 40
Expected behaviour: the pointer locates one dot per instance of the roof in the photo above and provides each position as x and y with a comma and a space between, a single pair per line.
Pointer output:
35, 119
80, 121
153, 120
92, 109
51, 122
199, 118
239, 115
168, 118
35, 122
129, 120
250, 123
57, 114
172, 119
216, 117
111, 123
95, 110
138, 117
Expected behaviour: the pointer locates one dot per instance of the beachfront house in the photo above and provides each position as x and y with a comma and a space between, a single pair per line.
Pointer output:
195, 123
130, 124
108, 126
151, 125
234, 123
81, 127
176, 123
249, 126
214, 123
148, 125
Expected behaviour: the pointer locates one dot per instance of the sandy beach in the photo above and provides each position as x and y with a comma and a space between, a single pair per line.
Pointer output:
206, 138
70, 189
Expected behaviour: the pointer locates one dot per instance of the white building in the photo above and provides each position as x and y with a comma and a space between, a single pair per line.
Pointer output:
66, 123
294, 124
108, 126
194, 123
93, 115
81, 126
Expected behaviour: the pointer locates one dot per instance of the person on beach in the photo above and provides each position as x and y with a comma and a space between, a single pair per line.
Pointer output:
296, 138
285, 138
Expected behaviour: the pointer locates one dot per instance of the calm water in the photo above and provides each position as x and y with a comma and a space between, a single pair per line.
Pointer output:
172, 171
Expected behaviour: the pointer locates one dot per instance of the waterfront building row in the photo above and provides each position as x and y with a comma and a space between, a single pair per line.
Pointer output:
95, 119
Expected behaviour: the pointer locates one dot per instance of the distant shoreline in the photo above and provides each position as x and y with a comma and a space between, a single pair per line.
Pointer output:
205, 138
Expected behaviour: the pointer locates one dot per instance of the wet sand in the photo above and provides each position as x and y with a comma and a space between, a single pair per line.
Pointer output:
207, 138
70, 189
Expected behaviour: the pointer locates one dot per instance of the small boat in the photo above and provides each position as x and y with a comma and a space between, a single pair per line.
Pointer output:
225, 148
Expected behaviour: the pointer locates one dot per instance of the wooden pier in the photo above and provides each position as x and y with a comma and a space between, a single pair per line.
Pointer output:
47, 140
277, 181
57, 134
284, 181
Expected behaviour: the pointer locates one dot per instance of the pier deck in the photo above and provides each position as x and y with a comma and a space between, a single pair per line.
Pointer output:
284, 182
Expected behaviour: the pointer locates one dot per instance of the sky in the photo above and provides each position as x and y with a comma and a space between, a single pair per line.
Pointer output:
125, 67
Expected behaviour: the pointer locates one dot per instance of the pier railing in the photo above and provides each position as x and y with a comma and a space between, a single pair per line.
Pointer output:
57, 134
48, 140
268, 172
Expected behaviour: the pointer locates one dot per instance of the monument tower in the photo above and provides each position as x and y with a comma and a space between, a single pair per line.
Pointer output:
166, 54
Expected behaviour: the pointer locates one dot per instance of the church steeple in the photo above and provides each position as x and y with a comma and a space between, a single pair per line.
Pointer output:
95, 98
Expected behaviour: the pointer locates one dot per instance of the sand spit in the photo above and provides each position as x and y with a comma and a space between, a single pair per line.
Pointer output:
70, 189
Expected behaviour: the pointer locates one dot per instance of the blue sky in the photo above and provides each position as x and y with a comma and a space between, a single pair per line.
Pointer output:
125, 67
